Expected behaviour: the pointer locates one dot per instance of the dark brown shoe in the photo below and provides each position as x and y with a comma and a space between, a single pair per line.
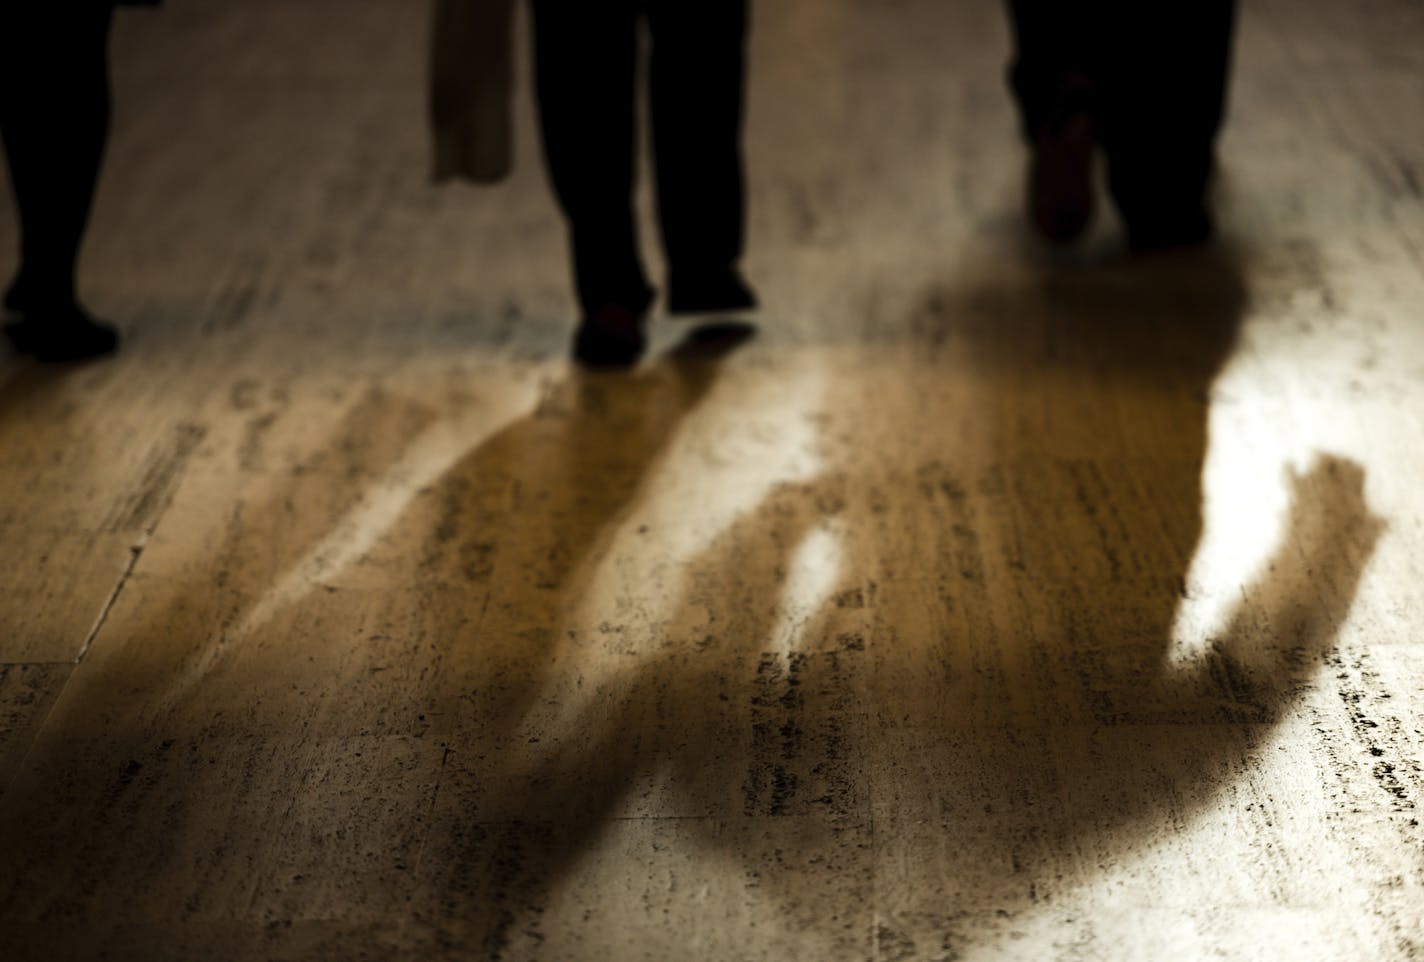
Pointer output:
1060, 180
611, 336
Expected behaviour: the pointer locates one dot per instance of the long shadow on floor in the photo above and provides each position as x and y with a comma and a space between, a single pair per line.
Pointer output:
986, 706
969, 710
256, 709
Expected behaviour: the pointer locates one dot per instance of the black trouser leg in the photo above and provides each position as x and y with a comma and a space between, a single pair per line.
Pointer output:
697, 78
585, 71
1056, 59
54, 116
1154, 79
1163, 105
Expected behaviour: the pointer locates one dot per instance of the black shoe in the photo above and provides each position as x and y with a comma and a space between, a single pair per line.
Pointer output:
611, 336
58, 336
1060, 178
17, 295
716, 292
1171, 228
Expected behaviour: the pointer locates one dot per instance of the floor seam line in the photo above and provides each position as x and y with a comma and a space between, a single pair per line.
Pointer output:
135, 552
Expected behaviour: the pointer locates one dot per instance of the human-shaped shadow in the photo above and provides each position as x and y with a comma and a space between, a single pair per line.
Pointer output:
988, 690
467, 586
526, 516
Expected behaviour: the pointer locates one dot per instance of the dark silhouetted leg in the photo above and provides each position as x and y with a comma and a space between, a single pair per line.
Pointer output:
1055, 59
586, 66
1146, 81
1163, 105
1054, 79
54, 115
697, 78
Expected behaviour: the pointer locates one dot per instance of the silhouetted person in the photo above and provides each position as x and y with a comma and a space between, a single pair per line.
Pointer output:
586, 70
1147, 83
54, 116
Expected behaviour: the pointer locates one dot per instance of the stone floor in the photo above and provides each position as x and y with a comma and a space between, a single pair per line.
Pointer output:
986, 604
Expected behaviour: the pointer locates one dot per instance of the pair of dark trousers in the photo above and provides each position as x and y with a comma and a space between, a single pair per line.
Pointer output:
54, 119
1153, 76
586, 66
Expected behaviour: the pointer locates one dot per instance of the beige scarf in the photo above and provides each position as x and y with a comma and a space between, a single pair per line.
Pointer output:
471, 81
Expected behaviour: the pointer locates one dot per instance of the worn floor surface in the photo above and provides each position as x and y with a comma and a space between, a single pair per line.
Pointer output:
985, 605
